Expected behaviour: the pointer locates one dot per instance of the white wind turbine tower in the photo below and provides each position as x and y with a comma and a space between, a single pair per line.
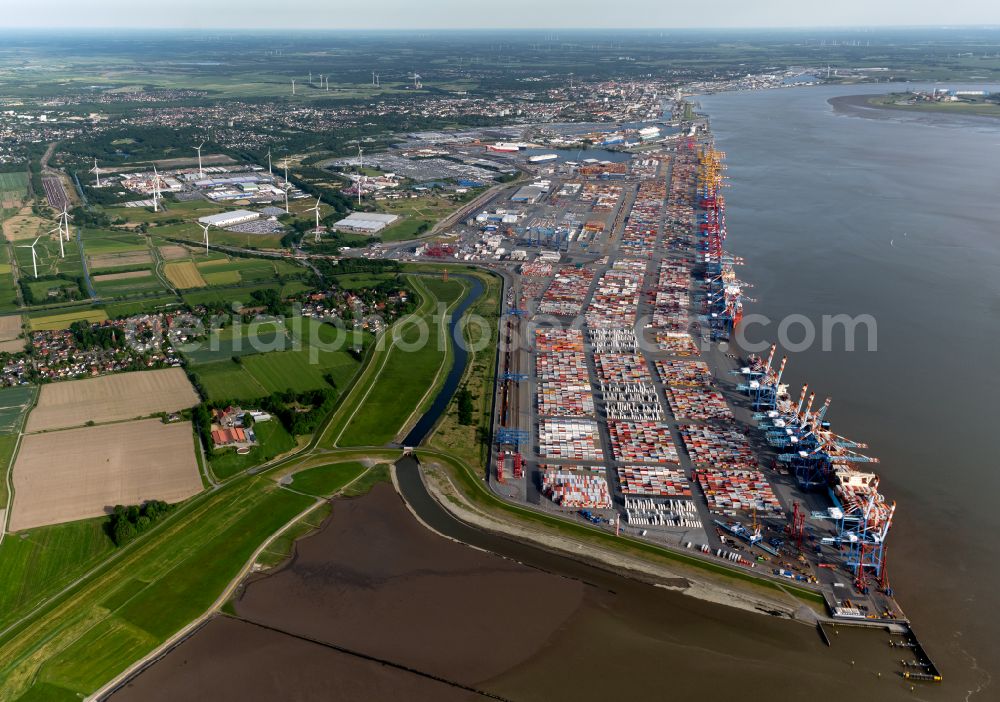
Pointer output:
97, 173
285, 188
328, 84
34, 256
416, 81
201, 173
361, 173
269, 163
65, 221
316, 209
205, 228
156, 189
293, 86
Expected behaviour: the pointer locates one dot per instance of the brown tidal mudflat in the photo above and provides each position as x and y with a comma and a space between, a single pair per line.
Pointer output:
374, 580
233, 660
375, 583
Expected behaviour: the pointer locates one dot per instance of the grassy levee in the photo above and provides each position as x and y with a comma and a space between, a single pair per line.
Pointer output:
325, 480
394, 386
475, 490
148, 591
407, 382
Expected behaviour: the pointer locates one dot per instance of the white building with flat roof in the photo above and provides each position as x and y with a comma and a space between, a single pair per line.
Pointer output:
366, 222
229, 219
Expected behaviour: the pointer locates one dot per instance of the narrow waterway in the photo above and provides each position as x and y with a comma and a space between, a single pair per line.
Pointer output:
460, 356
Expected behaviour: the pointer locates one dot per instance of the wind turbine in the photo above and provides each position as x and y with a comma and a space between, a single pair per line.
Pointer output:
316, 209
97, 172
205, 228
328, 84
34, 256
269, 163
65, 220
201, 173
285, 163
156, 186
285, 188
361, 173
416, 81
293, 86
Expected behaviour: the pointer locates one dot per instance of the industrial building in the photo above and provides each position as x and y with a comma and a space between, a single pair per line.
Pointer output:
229, 219
529, 194
366, 222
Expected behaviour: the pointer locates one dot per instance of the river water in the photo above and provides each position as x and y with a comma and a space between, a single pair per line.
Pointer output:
896, 215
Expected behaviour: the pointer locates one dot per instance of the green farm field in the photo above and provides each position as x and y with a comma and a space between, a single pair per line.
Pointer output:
39, 562
225, 380
63, 320
175, 573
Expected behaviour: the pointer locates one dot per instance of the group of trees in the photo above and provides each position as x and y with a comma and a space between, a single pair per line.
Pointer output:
463, 398
301, 413
88, 335
126, 523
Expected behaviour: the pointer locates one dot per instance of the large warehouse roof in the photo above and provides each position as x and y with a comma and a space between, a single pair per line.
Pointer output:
367, 221
225, 219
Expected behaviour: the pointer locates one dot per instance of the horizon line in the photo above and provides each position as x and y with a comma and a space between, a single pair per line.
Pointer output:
856, 27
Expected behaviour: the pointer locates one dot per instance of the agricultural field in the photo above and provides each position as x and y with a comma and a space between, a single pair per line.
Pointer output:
25, 225
173, 574
41, 561
63, 320
13, 190
8, 289
226, 380
262, 373
286, 370
172, 210
184, 275
10, 327
111, 398
225, 296
79, 473
173, 252
228, 342
14, 404
130, 307
137, 283
189, 231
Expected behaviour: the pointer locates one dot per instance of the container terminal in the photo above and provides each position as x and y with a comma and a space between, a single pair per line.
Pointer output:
618, 401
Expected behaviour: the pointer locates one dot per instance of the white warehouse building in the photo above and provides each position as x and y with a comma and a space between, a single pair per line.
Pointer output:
229, 219
366, 222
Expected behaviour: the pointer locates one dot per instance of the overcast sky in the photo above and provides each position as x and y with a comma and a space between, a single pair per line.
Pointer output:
491, 14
